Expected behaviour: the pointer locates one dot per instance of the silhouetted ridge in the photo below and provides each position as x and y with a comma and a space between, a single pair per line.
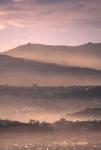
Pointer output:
19, 71
85, 56
86, 114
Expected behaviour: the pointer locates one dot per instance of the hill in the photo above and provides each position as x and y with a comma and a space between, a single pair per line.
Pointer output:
17, 71
87, 55
86, 114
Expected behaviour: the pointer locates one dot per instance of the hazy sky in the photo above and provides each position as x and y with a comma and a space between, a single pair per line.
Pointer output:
39, 21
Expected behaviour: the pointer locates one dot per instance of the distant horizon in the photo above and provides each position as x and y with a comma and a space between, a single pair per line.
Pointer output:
46, 44
68, 118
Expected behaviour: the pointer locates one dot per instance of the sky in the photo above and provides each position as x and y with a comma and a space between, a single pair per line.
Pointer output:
62, 22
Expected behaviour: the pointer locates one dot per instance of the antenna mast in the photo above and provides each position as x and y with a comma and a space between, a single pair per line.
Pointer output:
58, 34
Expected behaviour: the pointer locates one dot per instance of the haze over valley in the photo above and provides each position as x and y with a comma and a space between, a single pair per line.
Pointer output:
51, 65
87, 55
35, 66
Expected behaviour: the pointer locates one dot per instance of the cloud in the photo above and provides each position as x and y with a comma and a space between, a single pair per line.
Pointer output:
27, 12
2, 26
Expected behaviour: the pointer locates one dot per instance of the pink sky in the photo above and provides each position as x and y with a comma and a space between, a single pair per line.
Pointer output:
36, 21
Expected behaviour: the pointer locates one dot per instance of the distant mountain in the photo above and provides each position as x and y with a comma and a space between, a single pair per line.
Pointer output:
17, 71
87, 55
9, 122
86, 114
